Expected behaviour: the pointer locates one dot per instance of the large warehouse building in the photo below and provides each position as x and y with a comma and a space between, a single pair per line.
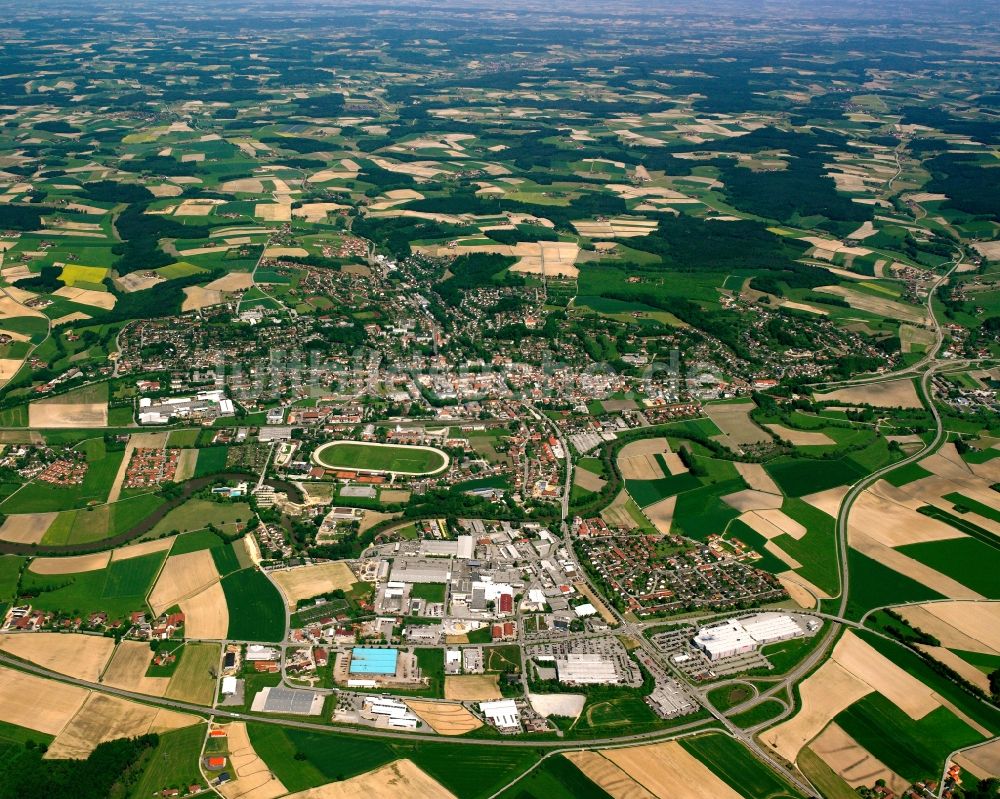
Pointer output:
587, 669
373, 661
739, 636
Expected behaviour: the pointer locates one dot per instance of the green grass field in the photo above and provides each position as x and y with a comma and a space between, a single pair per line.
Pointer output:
962, 502
10, 570
555, 778
256, 609
735, 766
830, 784
906, 659
302, 759
914, 749
14, 737
193, 680
211, 460
758, 714
971, 562
646, 492
797, 477
874, 585
429, 592
727, 696
403, 459
816, 550
173, 763
117, 590
198, 513
85, 525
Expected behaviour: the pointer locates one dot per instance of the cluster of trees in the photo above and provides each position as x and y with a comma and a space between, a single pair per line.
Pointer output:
970, 186
476, 270
20, 217
141, 233
112, 770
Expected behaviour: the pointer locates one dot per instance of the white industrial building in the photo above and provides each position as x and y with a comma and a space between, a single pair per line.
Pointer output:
739, 636
586, 669
229, 686
395, 712
767, 628
256, 652
502, 714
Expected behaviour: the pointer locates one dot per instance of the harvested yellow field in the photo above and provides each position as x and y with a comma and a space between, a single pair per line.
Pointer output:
127, 670
142, 548
273, 212
198, 297
306, 582
870, 666
750, 500
165, 190
983, 761
234, 281
893, 524
26, 528
194, 679
588, 481
19, 693
105, 718
800, 438
755, 476
780, 554
392, 495
401, 778
285, 252
828, 501
472, 688
548, 258
852, 762
978, 620
607, 775
51, 413
316, 212
73, 654
182, 577
890, 394
243, 185
196, 207
444, 717
668, 770
947, 463
881, 306
637, 459
206, 614
661, 514
186, 463
759, 524
966, 670
617, 515
802, 592
252, 779
827, 691
70, 565
738, 429
104, 300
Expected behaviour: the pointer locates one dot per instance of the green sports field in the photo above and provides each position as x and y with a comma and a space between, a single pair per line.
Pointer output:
381, 458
